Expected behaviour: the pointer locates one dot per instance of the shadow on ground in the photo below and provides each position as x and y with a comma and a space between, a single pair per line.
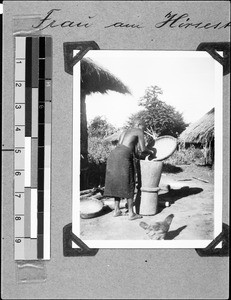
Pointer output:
172, 196
168, 168
176, 194
173, 233
106, 210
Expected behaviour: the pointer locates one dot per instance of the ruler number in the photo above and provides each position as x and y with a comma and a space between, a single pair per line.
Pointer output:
18, 151
18, 241
18, 129
17, 218
18, 84
18, 106
18, 61
18, 195
18, 173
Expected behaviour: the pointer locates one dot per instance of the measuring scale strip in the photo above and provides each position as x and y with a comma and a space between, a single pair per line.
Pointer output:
19, 152
32, 132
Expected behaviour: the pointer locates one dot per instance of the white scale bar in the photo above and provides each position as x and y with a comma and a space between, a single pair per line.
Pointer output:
27, 161
19, 203
33, 215
34, 112
46, 215
19, 248
19, 71
20, 92
20, 43
19, 226
19, 155
47, 191
20, 55
19, 116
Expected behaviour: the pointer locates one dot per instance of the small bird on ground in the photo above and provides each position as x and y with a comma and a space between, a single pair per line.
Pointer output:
158, 230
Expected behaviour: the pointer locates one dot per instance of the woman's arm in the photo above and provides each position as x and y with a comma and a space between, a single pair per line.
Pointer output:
121, 137
141, 145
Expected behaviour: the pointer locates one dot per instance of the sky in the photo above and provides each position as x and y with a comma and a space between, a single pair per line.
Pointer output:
187, 79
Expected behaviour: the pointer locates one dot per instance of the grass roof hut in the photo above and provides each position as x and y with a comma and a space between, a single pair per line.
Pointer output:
201, 135
94, 79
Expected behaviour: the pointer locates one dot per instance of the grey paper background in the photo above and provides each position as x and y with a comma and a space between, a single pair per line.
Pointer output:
112, 273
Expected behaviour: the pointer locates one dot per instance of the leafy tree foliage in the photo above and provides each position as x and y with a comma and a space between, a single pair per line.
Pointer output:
98, 149
158, 115
99, 127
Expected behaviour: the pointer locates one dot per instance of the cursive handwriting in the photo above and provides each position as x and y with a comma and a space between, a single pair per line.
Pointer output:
49, 22
183, 21
124, 25
172, 20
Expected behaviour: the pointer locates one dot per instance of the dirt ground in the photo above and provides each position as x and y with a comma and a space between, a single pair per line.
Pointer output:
191, 201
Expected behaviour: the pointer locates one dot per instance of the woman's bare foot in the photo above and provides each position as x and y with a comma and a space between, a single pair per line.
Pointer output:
117, 213
134, 217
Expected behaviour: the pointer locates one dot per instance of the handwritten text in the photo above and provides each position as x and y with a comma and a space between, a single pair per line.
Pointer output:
183, 21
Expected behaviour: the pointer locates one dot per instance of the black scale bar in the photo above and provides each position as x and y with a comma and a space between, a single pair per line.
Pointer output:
40, 201
41, 138
28, 85
41, 116
35, 62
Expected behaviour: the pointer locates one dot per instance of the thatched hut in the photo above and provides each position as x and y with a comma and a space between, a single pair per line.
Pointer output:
94, 79
201, 135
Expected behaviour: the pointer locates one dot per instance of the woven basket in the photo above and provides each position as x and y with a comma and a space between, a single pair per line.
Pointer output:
164, 147
90, 208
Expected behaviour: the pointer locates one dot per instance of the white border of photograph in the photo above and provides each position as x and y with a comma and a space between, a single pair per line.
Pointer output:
218, 167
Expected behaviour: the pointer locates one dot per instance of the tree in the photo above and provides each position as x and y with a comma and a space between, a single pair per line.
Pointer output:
99, 127
98, 149
158, 115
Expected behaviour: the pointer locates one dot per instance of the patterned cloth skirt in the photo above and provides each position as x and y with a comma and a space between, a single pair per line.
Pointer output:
120, 181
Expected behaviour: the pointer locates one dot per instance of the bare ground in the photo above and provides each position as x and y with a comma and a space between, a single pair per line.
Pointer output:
191, 201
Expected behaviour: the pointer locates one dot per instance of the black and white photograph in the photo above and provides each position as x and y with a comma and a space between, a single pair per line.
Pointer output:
115, 149
147, 150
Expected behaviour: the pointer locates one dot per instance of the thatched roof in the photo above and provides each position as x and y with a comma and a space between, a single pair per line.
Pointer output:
113, 137
201, 131
96, 79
